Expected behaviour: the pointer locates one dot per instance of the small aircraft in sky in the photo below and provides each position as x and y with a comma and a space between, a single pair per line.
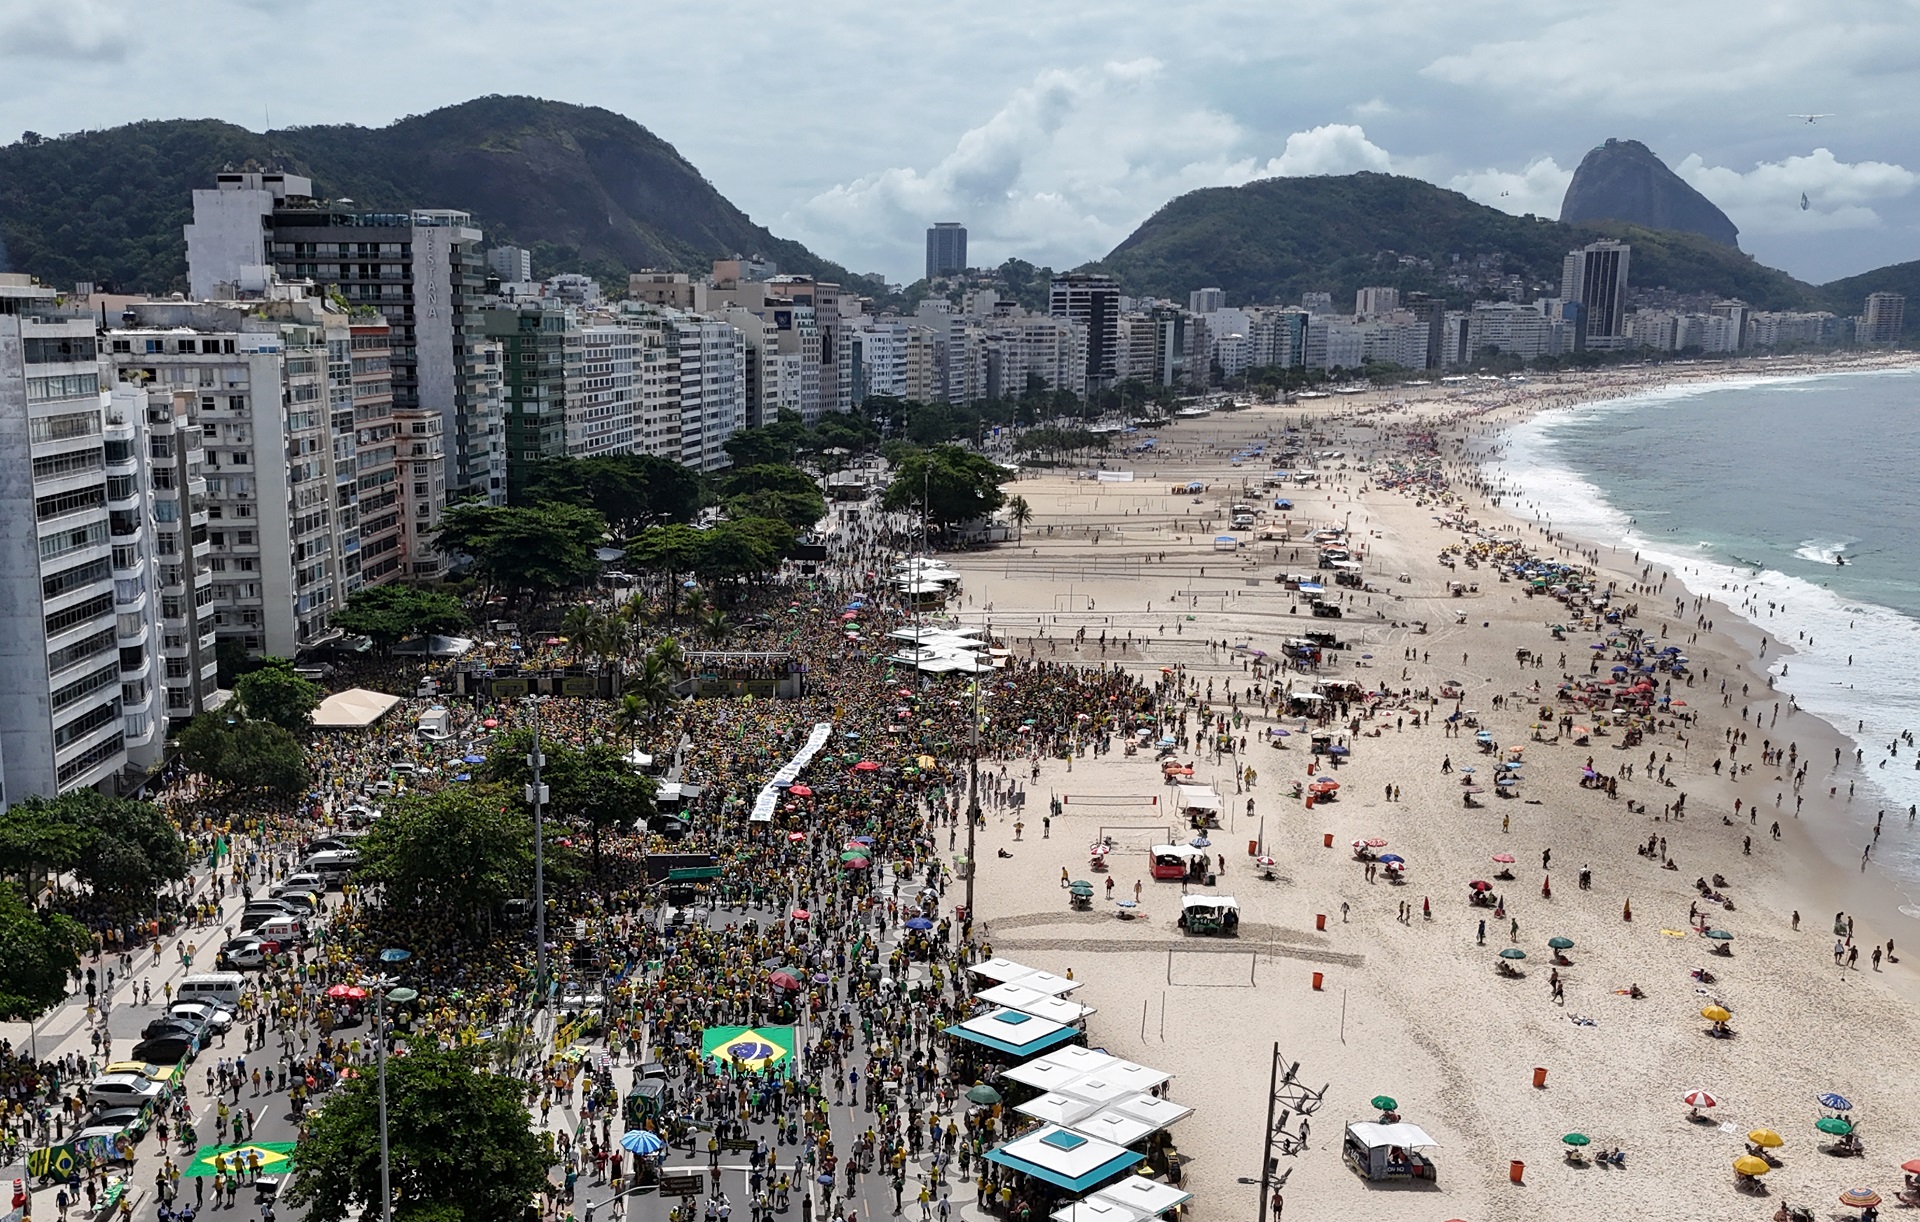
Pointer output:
1810, 118
1804, 205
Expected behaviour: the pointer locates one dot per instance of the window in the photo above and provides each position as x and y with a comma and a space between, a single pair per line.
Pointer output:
62, 386
86, 723
91, 758
61, 504
78, 652
68, 464
44, 351
68, 580
85, 686
63, 427
79, 613
63, 541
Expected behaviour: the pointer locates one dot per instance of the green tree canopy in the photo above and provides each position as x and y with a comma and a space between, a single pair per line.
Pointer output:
240, 753
544, 548
777, 443
743, 548
393, 612
272, 692
38, 952
629, 490
461, 1145
949, 484
452, 855
593, 787
123, 850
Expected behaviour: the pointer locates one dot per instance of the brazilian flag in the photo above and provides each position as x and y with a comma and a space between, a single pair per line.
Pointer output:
753, 1049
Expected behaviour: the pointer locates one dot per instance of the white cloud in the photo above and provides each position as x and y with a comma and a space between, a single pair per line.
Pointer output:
83, 30
1333, 148
1538, 189
1839, 194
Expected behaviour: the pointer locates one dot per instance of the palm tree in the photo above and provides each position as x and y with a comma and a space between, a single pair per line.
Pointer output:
695, 602
579, 626
631, 714
717, 626
669, 652
1021, 513
652, 687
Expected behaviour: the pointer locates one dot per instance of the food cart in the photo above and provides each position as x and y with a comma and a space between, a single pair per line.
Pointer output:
1205, 914
1389, 1151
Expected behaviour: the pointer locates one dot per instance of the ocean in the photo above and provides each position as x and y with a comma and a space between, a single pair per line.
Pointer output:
1750, 490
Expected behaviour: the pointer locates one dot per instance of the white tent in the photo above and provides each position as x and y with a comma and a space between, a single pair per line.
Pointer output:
1094, 1210
354, 709
1019, 997
1149, 1198
1197, 797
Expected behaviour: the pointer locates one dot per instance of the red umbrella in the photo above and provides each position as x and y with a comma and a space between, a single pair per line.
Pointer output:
866, 766
858, 863
1324, 786
783, 980
347, 992
801, 914
1480, 884
1375, 842
1505, 859
796, 837
800, 791
490, 723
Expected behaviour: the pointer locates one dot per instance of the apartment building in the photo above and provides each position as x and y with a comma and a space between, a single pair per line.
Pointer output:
381, 554
1093, 301
532, 336
711, 360
79, 614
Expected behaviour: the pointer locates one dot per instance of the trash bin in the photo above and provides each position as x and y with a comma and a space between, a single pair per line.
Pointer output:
1320, 920
1516, 1170
1253, 848
1213, 880
1326, 839
1318, 978
1540, 1077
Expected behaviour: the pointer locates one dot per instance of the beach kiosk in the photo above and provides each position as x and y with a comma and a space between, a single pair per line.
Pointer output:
1199, 805
1176, 862
1389, 1151
1071, 1162
1210, 914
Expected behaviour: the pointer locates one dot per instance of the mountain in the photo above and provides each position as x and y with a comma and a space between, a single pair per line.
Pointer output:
585, 189
1275, 238
1849, 296
1623, 180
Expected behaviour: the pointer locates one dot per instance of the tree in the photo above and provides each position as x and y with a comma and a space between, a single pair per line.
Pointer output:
122, 850
275, 694
544, 548
717, 626
454, 854
394, 612
799, 510
736, 550
667, 551
489, 1174
592, 786
1021, 512
33, 845
239, 753
38, 953
950, 485
629, 490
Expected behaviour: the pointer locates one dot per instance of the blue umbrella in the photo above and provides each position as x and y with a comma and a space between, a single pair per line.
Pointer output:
1619, 670
1839, 1103
1201, 842
1596, 647
473, 759
639, 1141
1391, 857
920, 923
861, 839
465, 776
1338, 751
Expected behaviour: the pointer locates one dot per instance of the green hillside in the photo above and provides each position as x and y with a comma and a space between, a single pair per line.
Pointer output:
1271, 240
1849, 296
583, 188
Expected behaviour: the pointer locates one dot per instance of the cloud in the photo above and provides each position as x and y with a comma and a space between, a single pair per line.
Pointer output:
1840, 194
1538, 189
1334, 148
83, 30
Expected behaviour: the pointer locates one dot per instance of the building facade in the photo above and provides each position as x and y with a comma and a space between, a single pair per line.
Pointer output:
946, 249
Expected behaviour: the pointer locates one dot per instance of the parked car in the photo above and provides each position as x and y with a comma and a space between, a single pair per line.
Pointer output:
120, 1119
170, 1049
245, 953
216, 1018
306, 880
305, 903
124, 1089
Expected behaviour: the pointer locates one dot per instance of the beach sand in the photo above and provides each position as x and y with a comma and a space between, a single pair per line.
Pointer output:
1415, 1010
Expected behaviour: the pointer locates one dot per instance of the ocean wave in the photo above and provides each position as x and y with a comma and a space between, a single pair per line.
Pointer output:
1852, 661
1823, 551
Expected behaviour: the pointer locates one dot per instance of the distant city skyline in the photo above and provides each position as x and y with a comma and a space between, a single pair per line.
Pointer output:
1053, 133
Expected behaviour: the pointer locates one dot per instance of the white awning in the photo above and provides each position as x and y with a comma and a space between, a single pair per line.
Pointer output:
1197, 797
1146, 1197
354, 709
1402, 1134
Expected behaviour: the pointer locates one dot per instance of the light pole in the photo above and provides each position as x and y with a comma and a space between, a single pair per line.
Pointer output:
973, 786
537, 794
391, 958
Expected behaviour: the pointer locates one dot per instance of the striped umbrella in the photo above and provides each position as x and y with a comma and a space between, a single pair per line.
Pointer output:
1860, 1198
1699, 1098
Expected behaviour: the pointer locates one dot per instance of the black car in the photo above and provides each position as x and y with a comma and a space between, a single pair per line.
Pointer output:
172, 1024
166, 1049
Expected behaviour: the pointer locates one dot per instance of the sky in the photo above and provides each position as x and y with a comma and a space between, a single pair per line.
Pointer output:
1053, 130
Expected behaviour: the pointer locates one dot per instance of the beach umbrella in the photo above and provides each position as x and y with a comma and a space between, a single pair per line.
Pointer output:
1720, 935
981, 1093
1839, 1103
1859, 1198
1474, 789
1338, 750
783, 979
1513, 952
1911, 1166
796, 837
1267, 862
1505, 859
1833, 1125
866, 766
1699, 1098
855, 854
1480, 884
852, 840
1560, 943
1385, 1103
490, 723
1201, 842
800, 791
1716, 1014
1468, 769
1324, 786
1375, 842
1577, 1139
801, 914
919, 923
473, 759
639, 1141
1392, 858
1747, 1164
860, 863
347, 992
1766, 1139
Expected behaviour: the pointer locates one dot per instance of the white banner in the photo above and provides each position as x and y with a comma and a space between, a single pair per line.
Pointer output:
1114, 477
789, 773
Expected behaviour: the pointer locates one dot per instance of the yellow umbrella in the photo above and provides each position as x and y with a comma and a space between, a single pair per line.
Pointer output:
1716, 1014
1766, 1139
1747, 1164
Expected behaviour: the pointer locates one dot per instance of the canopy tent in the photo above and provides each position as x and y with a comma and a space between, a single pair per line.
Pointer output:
1197, 797
1017, 996
639, 758
1094, 1210
1013, 1032
1000, 971
1186, 852
1065, 1159
354, 709
1402, 1134
1059, 1067
1150, 1198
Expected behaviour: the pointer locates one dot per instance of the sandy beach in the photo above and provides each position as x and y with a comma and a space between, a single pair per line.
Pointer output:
1412, 1007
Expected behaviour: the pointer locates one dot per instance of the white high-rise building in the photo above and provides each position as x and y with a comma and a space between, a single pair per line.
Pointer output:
1595, 277
712, 369
80, 693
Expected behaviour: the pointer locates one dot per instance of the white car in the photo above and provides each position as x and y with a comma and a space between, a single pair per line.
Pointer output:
218, 1018
124, 1089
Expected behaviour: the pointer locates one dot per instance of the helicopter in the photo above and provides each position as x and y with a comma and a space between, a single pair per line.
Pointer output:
1811, 118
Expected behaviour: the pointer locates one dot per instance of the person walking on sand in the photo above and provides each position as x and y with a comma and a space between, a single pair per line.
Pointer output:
1853, 958
1136, 890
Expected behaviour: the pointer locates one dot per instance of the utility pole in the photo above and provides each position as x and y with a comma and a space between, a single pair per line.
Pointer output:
537, 794
1266, 1145
973, 787
390, 959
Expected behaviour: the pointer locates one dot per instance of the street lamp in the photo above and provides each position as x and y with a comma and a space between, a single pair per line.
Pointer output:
392, 958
